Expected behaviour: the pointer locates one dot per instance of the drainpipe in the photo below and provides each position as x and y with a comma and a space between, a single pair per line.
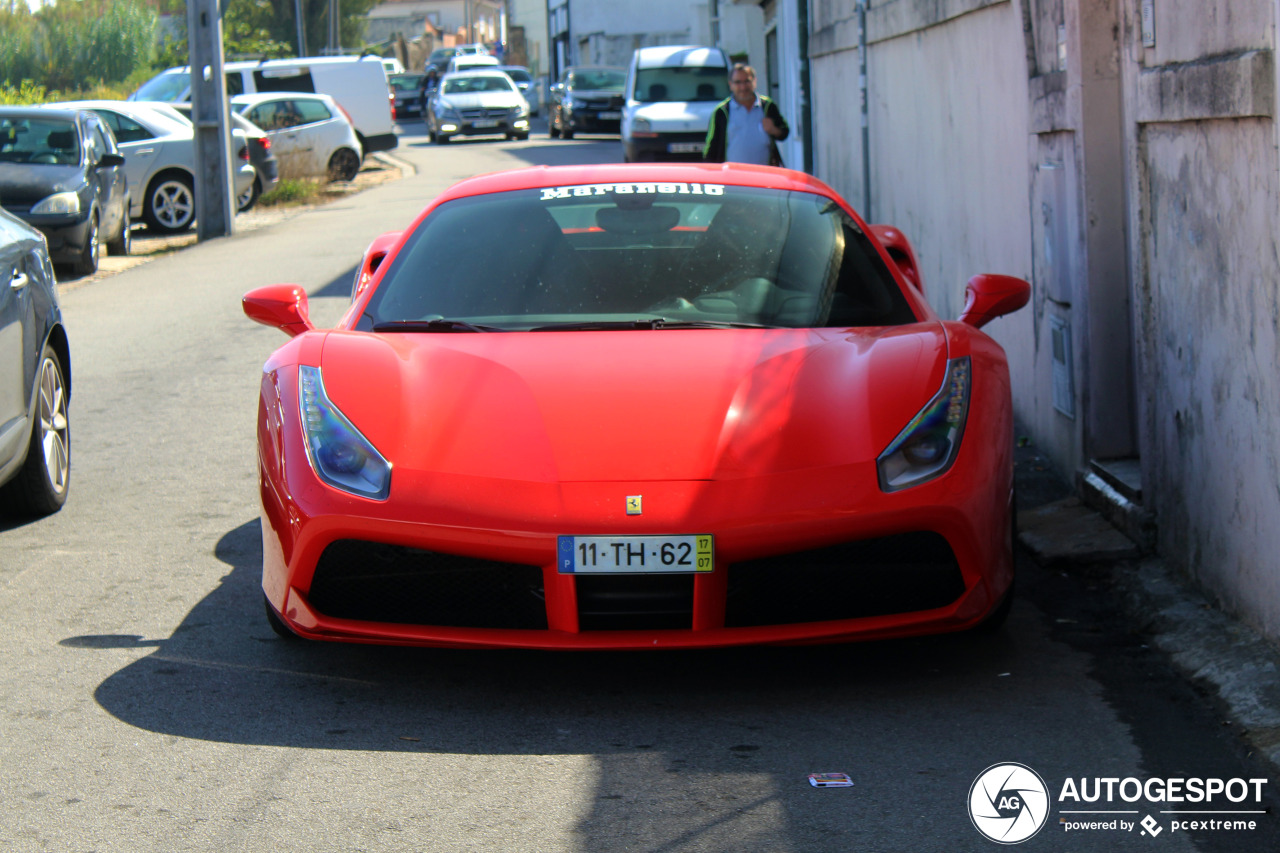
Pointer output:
806, 109
866, 123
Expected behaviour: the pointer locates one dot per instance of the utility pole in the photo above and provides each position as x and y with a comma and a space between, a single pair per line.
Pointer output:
215, 214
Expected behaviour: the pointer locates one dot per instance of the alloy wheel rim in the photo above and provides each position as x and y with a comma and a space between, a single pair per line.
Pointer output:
173, 204
54, 439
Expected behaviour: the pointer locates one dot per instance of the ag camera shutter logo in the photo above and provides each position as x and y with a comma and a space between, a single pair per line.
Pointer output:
1008, 803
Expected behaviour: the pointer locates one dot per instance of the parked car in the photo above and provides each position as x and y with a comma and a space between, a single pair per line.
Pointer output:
160, 161
310, 134
586, 99
441, 55
35, 376
474, 103
679, 408
671, 92
62, 171
471, 62
527, 84
406, 91
359, 84
266, 167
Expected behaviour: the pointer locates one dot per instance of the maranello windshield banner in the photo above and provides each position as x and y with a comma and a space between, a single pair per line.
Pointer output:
1011, 803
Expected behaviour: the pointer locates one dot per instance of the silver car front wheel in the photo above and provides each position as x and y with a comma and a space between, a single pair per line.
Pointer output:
171, 203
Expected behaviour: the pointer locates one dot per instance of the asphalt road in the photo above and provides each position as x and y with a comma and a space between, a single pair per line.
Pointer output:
145, 705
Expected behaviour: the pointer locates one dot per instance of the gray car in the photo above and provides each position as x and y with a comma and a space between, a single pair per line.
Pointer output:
35, 376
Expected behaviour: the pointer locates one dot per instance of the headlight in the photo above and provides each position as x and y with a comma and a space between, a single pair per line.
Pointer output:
641, 125
577, 103
339, 454
446, 109
64, 204
928, 445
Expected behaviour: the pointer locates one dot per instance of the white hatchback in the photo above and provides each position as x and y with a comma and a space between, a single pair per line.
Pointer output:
311, 135
160, 161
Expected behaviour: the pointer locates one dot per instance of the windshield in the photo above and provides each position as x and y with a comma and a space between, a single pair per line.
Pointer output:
47, 142
682, 83
169, 86
602, 80
642, 255
465, 85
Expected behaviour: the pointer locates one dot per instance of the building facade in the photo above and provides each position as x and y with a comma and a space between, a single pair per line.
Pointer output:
1122, 156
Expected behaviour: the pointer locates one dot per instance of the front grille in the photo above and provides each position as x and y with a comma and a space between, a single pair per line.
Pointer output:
477, 114
376, 582
873, 577
634, 602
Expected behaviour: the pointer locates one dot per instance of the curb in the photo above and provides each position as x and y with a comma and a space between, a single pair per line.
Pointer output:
1228, 658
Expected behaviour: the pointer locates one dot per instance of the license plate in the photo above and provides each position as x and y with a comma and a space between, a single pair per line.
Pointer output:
485, 122
635, 554
684, 147
610, 115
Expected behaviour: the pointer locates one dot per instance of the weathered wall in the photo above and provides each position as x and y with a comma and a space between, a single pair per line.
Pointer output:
1205, 276
948, 129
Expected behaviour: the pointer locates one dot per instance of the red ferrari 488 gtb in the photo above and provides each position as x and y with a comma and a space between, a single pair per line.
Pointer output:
636, 407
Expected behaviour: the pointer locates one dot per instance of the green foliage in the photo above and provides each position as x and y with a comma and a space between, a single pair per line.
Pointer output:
75, 43
25, 95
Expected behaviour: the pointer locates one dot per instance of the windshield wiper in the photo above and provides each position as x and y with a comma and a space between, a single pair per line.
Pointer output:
647, 323
437, 325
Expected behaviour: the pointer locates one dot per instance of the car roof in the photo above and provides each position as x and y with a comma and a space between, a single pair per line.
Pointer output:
67, 113
696, 55
258, 97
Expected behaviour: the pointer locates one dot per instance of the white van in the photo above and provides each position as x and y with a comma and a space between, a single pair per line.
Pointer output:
472, 62
358, 84
671, 92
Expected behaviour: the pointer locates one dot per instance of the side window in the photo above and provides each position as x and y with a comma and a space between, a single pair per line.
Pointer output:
284, 80
235, 83
311, 111
125, 128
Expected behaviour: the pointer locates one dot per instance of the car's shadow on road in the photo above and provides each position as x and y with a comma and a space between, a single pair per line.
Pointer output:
224, 676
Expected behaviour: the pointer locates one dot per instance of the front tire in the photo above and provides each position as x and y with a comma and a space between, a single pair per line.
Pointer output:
249, 197
40, 488
343, 165
87, 262
123, 244
277, 624
171, 204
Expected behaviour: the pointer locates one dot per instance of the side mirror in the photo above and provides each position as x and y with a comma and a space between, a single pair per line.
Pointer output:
987, 297
282, 306
109, 160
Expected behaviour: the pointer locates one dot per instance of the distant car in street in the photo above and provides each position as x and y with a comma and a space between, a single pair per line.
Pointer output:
265, 165
476, 103
586, 99
35, 376
62, 172
406, 92
310, 134
527, 84
440, 56
160, 161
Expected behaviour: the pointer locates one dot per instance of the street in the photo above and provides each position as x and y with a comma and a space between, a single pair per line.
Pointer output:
147, 706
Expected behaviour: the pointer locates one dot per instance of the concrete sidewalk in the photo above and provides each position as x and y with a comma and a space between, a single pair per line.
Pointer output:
1224, 656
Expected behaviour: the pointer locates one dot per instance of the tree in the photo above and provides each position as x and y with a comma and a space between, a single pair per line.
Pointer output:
75, 43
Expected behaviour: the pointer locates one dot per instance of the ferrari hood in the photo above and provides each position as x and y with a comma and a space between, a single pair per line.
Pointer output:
636, 405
